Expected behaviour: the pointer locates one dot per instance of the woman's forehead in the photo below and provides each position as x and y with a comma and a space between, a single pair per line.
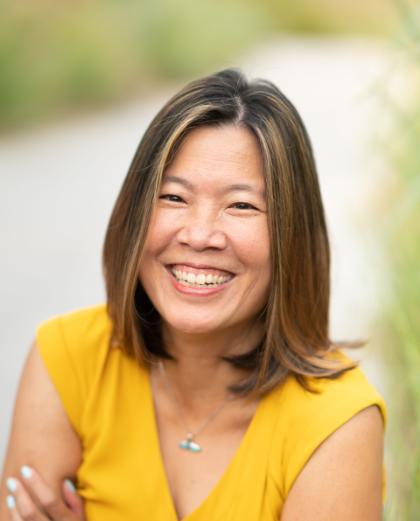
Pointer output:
228, 155
231, 142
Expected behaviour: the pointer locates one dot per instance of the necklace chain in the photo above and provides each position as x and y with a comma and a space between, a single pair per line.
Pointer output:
190, 434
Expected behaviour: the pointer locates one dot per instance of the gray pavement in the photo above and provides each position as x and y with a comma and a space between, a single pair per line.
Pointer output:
58, 185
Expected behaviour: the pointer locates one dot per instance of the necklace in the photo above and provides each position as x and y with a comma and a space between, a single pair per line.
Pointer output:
189, 443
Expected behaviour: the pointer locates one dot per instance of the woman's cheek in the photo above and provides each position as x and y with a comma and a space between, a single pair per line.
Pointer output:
164, 225
252, 240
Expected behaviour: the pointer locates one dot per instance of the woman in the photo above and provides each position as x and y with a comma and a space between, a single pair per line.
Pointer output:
207, 387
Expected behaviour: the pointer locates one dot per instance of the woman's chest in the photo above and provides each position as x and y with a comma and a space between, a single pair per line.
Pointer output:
133, 467
193, 476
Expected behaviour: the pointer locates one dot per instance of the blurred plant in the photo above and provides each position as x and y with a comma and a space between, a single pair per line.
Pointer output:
375, 17
60, 57
400, 233
57, 57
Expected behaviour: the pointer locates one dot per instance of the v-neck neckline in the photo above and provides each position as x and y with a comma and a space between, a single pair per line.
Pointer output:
226, 473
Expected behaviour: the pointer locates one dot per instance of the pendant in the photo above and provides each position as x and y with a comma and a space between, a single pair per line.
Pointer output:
190, 444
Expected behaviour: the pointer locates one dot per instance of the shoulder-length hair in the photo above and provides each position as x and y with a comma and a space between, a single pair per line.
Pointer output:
296, 339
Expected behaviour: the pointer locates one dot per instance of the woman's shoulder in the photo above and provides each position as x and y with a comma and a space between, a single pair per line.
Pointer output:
79, 320
332, 397
305, 419
75, 344
74, 348
77, 329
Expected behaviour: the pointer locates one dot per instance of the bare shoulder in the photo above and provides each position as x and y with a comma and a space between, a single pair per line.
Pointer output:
41, 434
343, 478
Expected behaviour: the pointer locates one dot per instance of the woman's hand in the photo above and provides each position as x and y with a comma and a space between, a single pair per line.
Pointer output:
30, 498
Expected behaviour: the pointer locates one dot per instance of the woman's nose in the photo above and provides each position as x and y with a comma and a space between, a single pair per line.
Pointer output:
201, 231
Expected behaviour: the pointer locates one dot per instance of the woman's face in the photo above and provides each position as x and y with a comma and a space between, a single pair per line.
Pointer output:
206, 262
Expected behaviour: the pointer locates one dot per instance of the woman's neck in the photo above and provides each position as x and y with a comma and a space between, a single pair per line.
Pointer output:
199, 375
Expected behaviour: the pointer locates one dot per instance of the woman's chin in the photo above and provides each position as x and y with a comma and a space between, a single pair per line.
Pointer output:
193, 327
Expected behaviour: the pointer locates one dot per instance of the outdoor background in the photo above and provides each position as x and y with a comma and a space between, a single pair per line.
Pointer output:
78, 85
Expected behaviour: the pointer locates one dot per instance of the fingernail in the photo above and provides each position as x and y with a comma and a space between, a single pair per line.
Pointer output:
26, 471
11, 503
70, 486
11, 484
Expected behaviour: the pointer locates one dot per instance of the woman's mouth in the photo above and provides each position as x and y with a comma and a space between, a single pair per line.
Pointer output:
200, 278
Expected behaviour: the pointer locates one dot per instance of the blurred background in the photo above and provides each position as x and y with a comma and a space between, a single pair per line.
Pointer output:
79, 83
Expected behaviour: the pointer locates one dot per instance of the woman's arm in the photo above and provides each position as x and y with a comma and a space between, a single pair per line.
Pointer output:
342, 481
41, 435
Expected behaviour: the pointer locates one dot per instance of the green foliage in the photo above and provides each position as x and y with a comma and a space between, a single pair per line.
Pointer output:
332, 17
56, 57
401, 233
186, 37
60, 56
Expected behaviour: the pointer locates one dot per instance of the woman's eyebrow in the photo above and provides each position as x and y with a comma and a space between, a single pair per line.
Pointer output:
231, 188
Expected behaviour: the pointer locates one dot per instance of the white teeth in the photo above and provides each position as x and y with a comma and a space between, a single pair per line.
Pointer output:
201, 279
191, 279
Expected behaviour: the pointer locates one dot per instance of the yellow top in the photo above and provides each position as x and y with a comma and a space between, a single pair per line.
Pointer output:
107, 397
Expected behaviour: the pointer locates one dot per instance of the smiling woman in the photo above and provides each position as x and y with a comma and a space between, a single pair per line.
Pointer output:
207, 386
203, 236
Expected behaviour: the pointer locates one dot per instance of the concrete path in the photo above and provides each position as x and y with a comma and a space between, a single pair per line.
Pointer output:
58, 185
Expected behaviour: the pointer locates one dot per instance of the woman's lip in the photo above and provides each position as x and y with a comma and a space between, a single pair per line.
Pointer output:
194, 290
198, 267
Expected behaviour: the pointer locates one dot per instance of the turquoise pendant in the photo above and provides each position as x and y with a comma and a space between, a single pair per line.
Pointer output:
190, 444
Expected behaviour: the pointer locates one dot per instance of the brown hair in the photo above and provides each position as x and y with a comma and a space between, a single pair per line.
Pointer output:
296, 316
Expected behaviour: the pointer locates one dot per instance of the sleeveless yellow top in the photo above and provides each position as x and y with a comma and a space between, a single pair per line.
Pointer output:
108, 399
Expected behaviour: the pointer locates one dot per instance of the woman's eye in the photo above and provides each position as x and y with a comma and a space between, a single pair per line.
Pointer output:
177, 199
171, 197
244, 206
